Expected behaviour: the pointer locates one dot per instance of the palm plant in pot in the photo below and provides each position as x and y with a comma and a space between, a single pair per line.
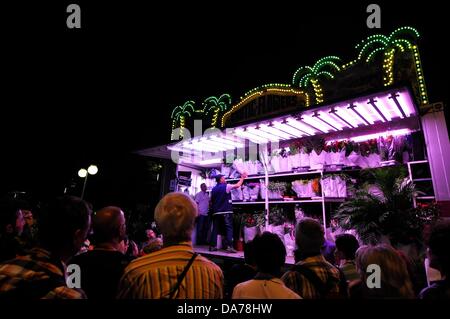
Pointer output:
382, 209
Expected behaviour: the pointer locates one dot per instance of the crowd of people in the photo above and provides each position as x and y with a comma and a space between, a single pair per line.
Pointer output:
37, 255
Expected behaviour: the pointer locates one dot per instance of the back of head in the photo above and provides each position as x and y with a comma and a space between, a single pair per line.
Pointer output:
175, 216
249, 253
309, 236
108, 225
347, 244
60, 221
395, 280
270, 253
438, 244
8, 214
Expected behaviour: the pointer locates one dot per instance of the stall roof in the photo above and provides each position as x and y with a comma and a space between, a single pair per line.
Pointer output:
392, 111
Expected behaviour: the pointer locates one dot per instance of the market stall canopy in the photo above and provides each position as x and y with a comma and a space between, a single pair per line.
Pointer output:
391, 112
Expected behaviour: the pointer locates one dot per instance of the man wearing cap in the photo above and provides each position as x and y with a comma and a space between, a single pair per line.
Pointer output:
222, 210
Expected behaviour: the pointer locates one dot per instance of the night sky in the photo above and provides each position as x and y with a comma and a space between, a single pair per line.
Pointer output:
74, 97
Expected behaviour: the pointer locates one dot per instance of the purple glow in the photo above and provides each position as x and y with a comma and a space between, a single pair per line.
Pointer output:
251, 137
274, 131
367, 113
289, 129
406, 103
384, 109
363, 138
350, 116
260, 133
316, 123
336, 123
293, 122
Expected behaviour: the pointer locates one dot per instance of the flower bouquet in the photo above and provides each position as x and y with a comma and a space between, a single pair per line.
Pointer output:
236, 194
303, 188
253, 189
276, 190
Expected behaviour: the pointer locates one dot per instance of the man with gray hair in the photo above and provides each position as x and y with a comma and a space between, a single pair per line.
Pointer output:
312, 277
175, 271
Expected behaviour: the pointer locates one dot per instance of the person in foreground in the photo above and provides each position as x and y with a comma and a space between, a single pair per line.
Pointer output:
63, 227
175, 271
439, 255
394, 282
313, 277
103, 266
270, 256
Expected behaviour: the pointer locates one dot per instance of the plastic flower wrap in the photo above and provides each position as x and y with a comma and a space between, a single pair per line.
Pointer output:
239, 165
302, 188
236, 194
253, 189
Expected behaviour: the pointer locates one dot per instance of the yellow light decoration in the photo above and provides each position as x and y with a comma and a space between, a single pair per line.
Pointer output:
246, 98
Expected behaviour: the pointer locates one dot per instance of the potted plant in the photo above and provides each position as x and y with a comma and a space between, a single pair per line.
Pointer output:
276, 189
252, 223
351, 153
277, 219
317, 157
383, 208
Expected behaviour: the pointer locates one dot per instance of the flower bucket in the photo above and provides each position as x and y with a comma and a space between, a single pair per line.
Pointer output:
236, 194
295, 161
327, 187
337, 158
246, 193
341, 187
275, 194
250, 233
374, 160
254, 192
239, 245
275, 162
352, 159
304, 159
284, 164
278, 230
289, 242
263, 188
317, 161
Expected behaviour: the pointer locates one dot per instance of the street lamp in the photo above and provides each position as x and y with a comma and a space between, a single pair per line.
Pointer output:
83, 173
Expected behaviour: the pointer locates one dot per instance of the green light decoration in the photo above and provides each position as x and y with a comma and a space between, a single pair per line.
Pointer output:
306, 74
179, 114
399, 40
216, 105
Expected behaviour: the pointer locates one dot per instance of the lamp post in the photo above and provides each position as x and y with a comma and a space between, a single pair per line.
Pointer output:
83, 173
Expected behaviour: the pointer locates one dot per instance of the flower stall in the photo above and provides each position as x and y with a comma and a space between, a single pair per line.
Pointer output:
305, 145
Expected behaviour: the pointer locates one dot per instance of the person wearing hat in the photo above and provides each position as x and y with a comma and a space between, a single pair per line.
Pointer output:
222, 210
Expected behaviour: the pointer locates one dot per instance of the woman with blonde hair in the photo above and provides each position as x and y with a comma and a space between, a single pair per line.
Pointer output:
394, 278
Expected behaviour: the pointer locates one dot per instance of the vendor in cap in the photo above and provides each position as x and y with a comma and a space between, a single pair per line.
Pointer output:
222, 210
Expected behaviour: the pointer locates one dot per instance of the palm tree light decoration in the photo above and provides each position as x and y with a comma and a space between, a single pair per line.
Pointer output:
179, 114
399, 40
216, 105
306, 75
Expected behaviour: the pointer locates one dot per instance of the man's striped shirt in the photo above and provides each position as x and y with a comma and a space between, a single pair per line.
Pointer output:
322, 268
153, 276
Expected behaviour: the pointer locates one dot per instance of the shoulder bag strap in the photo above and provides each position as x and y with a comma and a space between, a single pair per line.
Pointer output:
181, 276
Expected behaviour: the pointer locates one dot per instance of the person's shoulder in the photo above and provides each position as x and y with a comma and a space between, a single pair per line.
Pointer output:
438, 290
207, 263
63, 292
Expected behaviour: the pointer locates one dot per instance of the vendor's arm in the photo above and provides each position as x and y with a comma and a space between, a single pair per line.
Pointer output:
238, 184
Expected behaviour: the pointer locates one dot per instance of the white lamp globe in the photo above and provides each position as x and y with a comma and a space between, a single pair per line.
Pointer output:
82, 173
93, 169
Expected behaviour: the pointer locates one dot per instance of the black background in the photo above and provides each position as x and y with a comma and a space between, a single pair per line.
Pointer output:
70, 98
